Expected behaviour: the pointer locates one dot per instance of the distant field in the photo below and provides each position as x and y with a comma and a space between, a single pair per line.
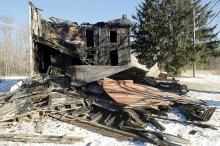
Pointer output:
188, 73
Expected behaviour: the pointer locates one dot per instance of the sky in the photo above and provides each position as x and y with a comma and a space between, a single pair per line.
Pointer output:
80, 11
74, 10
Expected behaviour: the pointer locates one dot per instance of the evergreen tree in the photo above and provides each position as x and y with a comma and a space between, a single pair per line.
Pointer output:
164, 33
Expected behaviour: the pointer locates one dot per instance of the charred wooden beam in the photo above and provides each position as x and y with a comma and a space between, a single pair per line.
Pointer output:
97, 117
110, 121
40, 138
156, 124
202, 125
136, 117
53, 45
99, 128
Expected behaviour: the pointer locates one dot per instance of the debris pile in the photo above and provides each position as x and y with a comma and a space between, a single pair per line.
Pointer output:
113, 101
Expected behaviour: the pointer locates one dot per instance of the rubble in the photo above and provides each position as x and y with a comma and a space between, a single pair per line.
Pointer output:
116, 108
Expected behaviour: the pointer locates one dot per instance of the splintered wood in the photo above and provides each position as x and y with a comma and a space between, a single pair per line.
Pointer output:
40, 138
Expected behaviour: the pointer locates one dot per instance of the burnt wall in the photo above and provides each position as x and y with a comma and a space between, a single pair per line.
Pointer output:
63, 43
107, 41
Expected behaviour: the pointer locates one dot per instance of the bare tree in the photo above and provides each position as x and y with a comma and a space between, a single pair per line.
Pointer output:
22, 49
14, 48
6, 30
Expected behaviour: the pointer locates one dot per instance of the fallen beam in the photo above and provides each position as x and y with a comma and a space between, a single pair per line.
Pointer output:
40, 138
202, 125
99, 128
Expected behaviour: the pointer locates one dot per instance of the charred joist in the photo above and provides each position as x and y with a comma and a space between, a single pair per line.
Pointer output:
156, 124
99, 128
83, 111
97, 116
136, 117
40, 138
197, 112
106, 130
202, 125
110, 121
57, 47
165, 85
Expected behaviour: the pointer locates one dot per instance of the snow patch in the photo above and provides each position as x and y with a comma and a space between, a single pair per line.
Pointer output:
134, 62
16, 86
7, 82
201, 78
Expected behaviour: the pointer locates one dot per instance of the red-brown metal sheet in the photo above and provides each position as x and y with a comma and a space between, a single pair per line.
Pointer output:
126, 92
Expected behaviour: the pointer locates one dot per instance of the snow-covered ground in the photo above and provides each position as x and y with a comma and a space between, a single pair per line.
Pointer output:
7, 82
205, 87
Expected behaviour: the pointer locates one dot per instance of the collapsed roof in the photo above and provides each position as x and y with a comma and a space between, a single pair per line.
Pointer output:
62, 43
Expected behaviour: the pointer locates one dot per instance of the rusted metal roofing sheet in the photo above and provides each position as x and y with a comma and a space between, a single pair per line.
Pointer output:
126, 92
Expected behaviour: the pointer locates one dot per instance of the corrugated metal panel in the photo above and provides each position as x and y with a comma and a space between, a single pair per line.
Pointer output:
126, 92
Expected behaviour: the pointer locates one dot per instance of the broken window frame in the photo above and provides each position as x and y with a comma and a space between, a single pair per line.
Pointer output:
111, 38
91, 42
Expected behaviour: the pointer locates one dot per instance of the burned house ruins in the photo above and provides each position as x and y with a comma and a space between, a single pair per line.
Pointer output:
86, 81
62, 43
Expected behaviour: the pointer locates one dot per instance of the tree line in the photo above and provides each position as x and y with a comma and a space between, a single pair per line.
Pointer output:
14, 48
163, 33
